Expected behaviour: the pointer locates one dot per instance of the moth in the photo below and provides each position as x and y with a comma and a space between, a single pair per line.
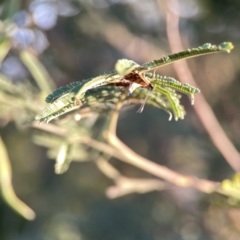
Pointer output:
133, 76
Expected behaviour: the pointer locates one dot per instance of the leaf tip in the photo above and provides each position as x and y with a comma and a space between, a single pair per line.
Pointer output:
226, 46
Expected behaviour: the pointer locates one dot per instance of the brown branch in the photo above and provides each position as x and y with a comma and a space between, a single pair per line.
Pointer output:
51, 128
115, 114
130, 157
125, 185
119, 150
125, 154
107, 169
201, 106
100, 146
117, 35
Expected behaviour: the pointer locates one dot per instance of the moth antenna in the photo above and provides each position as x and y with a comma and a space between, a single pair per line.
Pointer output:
143, 104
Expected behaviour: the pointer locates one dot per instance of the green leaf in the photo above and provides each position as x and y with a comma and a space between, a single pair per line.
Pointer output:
5, 47
38, 71
98, 92
206, 48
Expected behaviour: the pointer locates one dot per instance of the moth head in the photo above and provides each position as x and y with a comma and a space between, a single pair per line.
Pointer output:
125, 66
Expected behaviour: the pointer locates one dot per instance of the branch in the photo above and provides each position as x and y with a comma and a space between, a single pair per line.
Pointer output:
107, 169
115, 114
117, 35
122, 152
201, 106
125, 185
130, 157
50, 128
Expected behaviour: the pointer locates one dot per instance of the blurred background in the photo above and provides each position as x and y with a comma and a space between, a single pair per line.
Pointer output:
79, 39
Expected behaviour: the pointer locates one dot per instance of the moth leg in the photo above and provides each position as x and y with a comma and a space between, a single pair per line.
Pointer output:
146, 80
149, 87
79, 102
170, 115
143, 104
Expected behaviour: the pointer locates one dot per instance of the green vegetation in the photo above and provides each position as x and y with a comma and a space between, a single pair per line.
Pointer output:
102, 149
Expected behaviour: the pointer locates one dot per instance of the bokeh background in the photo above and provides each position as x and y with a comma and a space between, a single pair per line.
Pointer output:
79, 39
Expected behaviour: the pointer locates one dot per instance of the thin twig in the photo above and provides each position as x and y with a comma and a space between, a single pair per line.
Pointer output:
51, 128
115, 113
202, 108
125, 154
100, 146
125, 185
117, 35
129, 156
107, 169
38, 71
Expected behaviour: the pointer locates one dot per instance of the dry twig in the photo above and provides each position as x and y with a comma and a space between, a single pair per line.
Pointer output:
202, 108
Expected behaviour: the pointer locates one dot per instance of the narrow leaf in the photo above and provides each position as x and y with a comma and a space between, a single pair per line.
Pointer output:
7, 189
63, 160
206, 48
5, 47
38, 71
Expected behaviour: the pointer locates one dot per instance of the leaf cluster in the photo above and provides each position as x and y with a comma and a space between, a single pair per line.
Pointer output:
148, 87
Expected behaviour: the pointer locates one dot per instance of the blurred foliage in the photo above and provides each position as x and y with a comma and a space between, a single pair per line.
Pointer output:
7, 189
74, 40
